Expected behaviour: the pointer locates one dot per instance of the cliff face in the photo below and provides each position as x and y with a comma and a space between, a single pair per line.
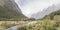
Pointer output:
9, 9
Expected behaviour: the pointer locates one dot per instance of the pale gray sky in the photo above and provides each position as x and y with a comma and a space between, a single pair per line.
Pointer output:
29, 7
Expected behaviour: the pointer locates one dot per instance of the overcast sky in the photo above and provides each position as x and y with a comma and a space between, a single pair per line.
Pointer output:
29, 7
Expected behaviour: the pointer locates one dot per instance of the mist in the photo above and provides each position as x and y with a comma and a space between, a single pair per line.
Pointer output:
29, 7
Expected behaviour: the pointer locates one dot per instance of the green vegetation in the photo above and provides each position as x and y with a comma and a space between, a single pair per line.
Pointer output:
50, 22
10, 10
6, 13
7, 24
54, 13
45, 24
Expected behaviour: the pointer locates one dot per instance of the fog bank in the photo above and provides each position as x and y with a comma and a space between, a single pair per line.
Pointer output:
29, 7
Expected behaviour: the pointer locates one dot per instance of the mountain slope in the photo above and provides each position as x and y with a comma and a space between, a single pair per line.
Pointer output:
9, 9
53, 14
45, 12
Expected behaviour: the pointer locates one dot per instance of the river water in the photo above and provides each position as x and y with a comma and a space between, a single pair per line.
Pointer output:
17, 26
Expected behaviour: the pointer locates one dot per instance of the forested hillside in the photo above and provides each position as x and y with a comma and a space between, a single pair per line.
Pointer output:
10, 10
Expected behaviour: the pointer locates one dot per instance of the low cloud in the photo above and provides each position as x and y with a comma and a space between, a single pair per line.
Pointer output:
29, 7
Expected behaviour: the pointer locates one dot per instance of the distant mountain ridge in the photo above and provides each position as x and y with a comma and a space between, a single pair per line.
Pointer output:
45, 12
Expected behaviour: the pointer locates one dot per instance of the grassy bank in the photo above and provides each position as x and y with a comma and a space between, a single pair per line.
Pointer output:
7, 24
45, 24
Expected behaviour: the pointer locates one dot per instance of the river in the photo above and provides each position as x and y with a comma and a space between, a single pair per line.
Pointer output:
17, 26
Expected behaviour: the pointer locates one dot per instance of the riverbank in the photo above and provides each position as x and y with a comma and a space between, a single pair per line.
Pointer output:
8, 24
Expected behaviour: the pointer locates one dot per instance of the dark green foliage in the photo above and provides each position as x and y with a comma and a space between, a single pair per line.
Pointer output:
23, 28
6, 13
53, 14
42, 25
10, 10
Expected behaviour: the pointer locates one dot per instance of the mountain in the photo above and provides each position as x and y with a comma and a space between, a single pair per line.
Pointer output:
45, 12
9, 9
54, 15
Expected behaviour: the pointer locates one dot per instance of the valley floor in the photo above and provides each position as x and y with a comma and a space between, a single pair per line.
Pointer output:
44, 24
